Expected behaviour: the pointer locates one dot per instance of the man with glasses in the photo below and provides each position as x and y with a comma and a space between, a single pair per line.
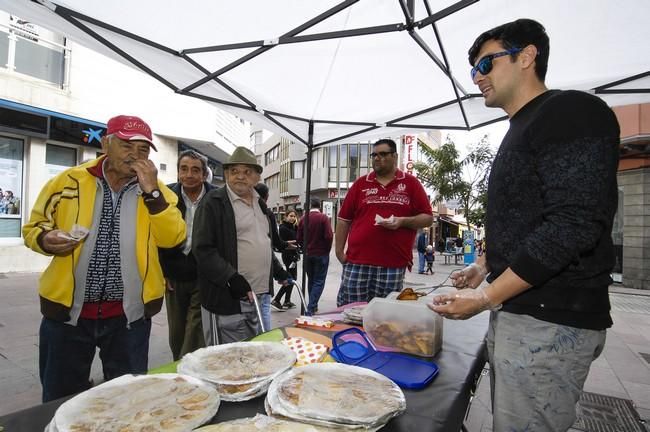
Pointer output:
379, 219
231, 242
552, 193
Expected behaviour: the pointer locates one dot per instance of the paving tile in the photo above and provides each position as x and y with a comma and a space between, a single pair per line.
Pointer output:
639, 393
604, 381
21, 400
629, 367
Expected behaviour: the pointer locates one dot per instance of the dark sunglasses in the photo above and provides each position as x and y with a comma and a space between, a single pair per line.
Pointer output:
381, 154
485, 64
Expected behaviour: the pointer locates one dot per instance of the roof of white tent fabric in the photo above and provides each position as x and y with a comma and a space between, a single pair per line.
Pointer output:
352, 69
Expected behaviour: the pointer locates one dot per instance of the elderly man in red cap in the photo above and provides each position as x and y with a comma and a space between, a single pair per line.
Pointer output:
102, 222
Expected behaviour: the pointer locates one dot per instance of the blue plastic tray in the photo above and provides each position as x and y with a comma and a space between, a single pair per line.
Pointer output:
352, 346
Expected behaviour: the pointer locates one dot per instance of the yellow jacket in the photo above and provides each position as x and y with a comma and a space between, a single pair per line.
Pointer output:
69, 199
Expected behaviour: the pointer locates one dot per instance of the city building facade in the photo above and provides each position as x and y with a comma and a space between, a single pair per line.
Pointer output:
55, 98
333, 168
631, 233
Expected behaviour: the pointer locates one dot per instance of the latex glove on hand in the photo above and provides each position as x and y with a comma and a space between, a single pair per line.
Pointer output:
470, 277
462, 304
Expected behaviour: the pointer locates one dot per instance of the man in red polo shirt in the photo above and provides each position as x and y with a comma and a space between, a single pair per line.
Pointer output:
379, 219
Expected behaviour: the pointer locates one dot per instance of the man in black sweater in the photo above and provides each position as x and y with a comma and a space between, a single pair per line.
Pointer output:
552, 197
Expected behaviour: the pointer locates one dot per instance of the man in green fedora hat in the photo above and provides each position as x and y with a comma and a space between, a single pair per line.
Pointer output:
232, 245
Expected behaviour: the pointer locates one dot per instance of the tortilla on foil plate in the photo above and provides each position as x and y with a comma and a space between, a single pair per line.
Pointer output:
240, 370
163, 402
238, 363
333, 394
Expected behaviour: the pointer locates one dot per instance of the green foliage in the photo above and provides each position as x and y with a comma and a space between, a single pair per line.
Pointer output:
464, 180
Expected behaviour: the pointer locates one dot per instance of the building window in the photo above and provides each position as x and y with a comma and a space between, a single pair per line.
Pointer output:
59, 158
32, 50
272, 155
11, 183
272, 181
364, 156
343, 162
354, 162
333, 164
297, 169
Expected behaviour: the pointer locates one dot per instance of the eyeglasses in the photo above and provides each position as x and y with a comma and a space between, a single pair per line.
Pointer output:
381, 154
485, 64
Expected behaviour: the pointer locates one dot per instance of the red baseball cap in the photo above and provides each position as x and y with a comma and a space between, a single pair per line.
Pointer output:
130, 128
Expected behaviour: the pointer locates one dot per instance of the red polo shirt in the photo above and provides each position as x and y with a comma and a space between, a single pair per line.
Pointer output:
372, 244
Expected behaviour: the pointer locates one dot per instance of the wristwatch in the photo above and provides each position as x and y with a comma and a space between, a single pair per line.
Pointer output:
154, 194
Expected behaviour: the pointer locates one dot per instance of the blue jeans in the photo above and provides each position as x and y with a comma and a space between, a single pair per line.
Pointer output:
66, 352
317, 272
421, 262
537, 371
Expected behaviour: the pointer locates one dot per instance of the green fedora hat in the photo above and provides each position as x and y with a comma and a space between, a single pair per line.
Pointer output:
243, 156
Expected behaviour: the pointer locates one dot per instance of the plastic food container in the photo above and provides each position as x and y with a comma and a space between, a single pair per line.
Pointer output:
403, 326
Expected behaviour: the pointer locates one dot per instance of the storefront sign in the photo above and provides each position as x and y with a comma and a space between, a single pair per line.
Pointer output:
410, 149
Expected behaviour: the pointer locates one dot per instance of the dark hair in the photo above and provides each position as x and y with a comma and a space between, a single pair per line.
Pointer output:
517, 34
193, 155
262, 190
390, 142
314, 202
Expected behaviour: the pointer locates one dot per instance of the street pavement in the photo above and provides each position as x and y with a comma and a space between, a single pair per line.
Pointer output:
622, 371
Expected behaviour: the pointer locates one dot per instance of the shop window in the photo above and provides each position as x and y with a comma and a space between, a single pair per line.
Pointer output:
59, 158
11, 183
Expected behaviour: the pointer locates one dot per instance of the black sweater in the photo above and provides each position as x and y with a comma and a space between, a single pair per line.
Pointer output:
552, 197
175, 264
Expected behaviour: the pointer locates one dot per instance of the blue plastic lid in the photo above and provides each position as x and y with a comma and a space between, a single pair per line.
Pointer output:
351, 346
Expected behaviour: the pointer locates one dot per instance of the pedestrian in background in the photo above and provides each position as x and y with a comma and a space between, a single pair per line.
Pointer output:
430, 257
182, 297
288, 231
422, 248
319, 244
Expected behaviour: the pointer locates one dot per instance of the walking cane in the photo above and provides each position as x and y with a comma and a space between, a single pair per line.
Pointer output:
259, 313
297, 285
213, 329
302, 297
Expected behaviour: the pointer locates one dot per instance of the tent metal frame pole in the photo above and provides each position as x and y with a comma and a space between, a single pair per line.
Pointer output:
445, 12
347, 135
64, 13
623, 91
599, 89
306, 208
292, 36
312, 22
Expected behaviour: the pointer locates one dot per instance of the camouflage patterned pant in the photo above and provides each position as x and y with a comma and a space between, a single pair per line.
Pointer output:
537, 371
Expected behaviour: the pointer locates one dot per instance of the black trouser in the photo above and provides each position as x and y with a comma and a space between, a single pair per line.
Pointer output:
288, 289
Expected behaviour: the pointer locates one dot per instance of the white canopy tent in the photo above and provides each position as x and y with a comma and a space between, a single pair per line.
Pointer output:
330, 71
325, 71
